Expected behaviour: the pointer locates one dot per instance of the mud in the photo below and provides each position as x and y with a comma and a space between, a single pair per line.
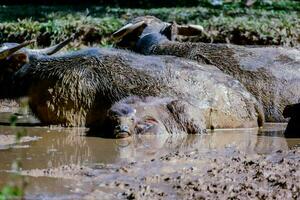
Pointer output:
239, 163
194, 175
9, 106
9, 141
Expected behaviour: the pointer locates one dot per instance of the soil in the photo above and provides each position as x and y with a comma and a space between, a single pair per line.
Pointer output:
223, 174
226, 174
62, 163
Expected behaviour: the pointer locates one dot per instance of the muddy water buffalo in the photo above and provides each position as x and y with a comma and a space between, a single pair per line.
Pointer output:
13, 57
77, 88
153, 115
271, 74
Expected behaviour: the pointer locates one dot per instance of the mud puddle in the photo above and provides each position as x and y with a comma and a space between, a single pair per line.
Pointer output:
64, 164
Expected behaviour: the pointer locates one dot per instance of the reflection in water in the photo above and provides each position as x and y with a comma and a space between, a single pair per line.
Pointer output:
72, 146
60, 146
65, 146
248, 141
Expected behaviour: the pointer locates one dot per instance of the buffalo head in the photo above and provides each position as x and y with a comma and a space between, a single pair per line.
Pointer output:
13, 57
124, 120
129, 35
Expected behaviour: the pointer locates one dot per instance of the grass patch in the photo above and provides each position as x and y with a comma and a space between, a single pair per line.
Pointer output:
10, 192
275, 23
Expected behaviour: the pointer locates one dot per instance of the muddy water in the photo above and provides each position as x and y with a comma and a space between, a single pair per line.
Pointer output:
56, 147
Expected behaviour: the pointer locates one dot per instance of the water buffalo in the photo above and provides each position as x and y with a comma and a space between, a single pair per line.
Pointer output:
13, 57
77, 88
293, 127
271, 74
152, 115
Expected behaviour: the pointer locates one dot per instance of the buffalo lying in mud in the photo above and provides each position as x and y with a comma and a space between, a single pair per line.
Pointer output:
152, 115
293, 127
77, 88
13, 57
271, 74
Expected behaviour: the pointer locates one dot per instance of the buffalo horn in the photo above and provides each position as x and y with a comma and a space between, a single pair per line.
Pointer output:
53, 49
128, 28
7, 52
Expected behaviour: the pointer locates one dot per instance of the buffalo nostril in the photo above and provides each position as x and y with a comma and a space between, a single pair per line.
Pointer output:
122, 131
122, 128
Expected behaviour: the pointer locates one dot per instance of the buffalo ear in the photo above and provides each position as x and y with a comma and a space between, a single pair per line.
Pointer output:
129, 28
170, 31
21, 57
150, 119
173, 30
190, 30
17, 60
145, 124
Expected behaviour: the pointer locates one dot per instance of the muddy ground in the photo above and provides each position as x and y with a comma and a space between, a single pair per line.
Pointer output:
223, 176
226, 174
9, 106
62, 163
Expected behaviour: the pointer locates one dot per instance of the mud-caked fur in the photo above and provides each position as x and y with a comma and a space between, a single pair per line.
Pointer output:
165, 115
271, 74
77, 88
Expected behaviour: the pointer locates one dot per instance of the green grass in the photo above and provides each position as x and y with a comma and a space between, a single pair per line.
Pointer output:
275, 23
92, 30
10, 192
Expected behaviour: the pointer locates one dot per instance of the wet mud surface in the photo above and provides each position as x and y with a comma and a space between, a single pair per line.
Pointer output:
61, 163
192, 175
9, 106
9, 141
